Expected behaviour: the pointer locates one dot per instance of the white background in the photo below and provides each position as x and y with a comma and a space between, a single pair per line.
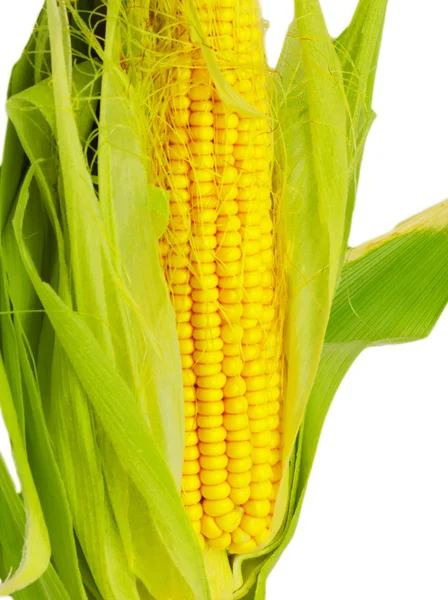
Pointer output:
375, 520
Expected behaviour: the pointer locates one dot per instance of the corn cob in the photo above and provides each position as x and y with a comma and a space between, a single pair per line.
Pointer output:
218, 258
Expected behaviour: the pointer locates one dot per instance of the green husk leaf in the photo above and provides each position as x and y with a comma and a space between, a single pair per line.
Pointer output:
129, 204
36, 549
358, 48
124, 201
312, 138
172, 564
45, 471
392, 290
12, 533
34, 541
312, 119
119, 415
33, 115
27, 111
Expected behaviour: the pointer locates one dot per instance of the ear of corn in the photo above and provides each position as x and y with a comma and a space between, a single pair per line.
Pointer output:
218, 256
154, 409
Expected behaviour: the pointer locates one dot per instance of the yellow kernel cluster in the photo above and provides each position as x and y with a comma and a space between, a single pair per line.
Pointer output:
219, 262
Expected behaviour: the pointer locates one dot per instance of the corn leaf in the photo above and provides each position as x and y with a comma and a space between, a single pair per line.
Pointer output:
27, 111
19, 543
35, 540
119, 415
36, 550
412, 258
74, 433
313, 124
358, 49
47, 476
312, 138
173, 557
392, 290
12, 533
128, 206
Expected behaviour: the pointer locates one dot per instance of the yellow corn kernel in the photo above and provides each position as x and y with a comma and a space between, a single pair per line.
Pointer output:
214, 463
217, 508
239, 465
209, 345
239, 480
206, 334
212, 436
229, 269
259, 426
210, 408
187, 361
205, 370
231, 350
209, 395
263, 537
230, 521
277, 472
191, 439
257, 508
261, 473
213, 449
232, 366
191, 467
274, 491
235, 422
231, 313
235, 406
191, 453
246, 548
212, 382
274, 457
234, 387
207, 358
215, 492
241, 435
239, 449
262, 439
209, 528
256, 384
221, 542
260, 456
261, 490
209, 421
253, 525
249, 353
240, 495
195, 512
213, 478
191, 498
240, 537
